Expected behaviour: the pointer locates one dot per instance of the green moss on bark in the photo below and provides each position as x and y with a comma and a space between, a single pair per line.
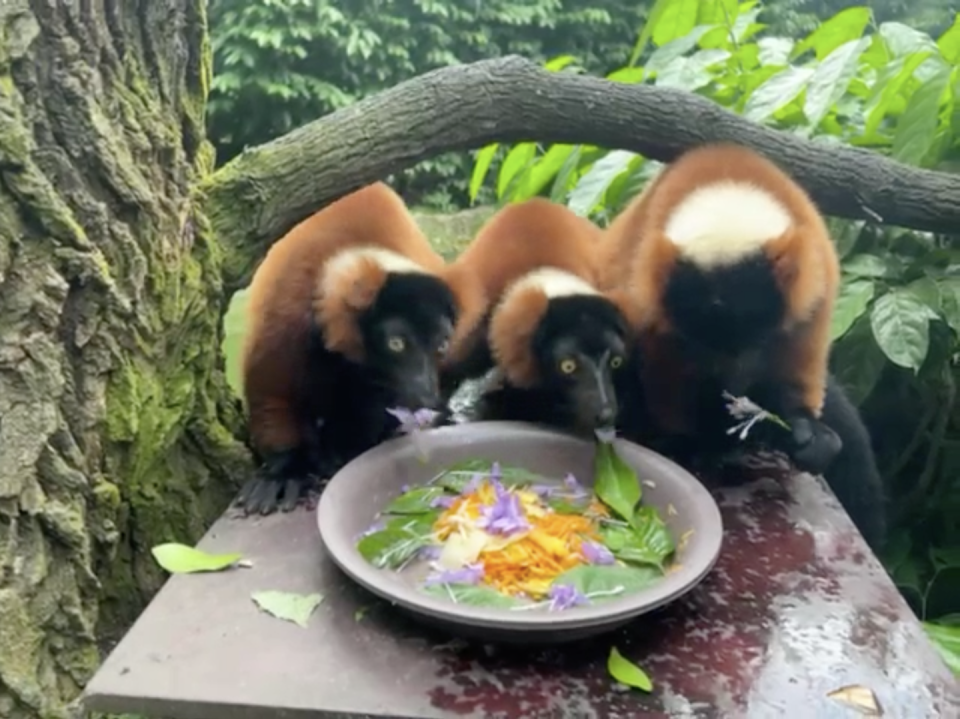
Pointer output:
118, 428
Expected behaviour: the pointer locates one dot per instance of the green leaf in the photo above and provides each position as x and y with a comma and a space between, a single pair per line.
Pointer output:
568, 505
674, 49
776, 92
478, 595
846, 25
831, 79
513, 165
867, 265
626, 672
402, 537
917, 126
888, 87
558, 63
901, 326
851, 303
631, 75
290, 607
950, 301
653, 19
857, 361
677, 18
615, 483
653, 534
604, 579
946, 640
926, 290
480, 169
181, 559
627, 545
949, 42
945, 557
561, 183
845, 233
775, 50
589, 191
415, 501
542, 171
903, 40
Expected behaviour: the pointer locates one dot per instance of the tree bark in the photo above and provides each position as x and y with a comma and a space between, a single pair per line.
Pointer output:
116, 424
261, 194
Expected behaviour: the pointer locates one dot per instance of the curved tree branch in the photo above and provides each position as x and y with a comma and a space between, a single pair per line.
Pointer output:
261, 194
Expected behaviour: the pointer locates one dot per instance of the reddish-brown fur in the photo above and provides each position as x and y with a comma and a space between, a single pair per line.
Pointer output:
287, 290
638, 259
519, 239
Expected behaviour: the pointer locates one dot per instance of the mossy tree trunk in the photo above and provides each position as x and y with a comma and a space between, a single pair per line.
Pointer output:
116, 424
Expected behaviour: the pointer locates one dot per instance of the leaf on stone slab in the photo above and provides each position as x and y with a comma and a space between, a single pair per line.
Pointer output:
181, 559
288, 606
626, 672
857, 697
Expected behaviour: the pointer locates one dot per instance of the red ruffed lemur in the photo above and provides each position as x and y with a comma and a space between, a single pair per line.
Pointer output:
732, 276
348, 315
537, 317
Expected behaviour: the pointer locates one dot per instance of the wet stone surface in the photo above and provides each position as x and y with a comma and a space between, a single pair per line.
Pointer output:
795, 608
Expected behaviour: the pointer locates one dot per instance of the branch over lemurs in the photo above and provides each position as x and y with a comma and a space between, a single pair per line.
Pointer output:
260, 195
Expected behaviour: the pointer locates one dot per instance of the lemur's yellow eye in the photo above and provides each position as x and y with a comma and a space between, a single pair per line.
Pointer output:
396, 344
615, 362
568, 366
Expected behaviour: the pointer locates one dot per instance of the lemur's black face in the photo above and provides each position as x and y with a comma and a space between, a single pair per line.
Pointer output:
406, 333
726, 309
580, 347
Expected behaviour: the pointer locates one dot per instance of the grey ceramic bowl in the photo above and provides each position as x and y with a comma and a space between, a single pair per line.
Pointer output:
353, 497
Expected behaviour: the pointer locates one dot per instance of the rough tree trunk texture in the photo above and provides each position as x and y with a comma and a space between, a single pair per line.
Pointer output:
116, 425
262, 193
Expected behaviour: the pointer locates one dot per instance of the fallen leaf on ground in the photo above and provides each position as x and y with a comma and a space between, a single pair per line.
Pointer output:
289, 606
626, 672
181, 559
858, 697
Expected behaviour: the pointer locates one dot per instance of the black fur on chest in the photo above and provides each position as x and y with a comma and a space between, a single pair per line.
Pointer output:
728, 312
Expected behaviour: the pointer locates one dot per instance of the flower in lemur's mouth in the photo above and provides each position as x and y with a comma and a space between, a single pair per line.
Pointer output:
749, 413
412, 422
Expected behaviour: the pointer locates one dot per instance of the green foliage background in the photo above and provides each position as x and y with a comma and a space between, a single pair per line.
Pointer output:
282, 63
860, 77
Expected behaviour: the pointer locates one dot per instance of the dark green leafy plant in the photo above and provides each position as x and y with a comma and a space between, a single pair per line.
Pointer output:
857, 80
281, 63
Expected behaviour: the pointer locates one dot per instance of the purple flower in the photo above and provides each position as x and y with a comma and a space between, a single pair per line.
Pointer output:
404, 488
429, 553
444, 501
606, 435
542, 490
564, 596
470, 574
495, 474
412, 421
473, 485
596, 553
505, 515
574, 487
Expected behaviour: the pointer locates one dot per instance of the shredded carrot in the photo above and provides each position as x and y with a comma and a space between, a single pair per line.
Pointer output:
527, 562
